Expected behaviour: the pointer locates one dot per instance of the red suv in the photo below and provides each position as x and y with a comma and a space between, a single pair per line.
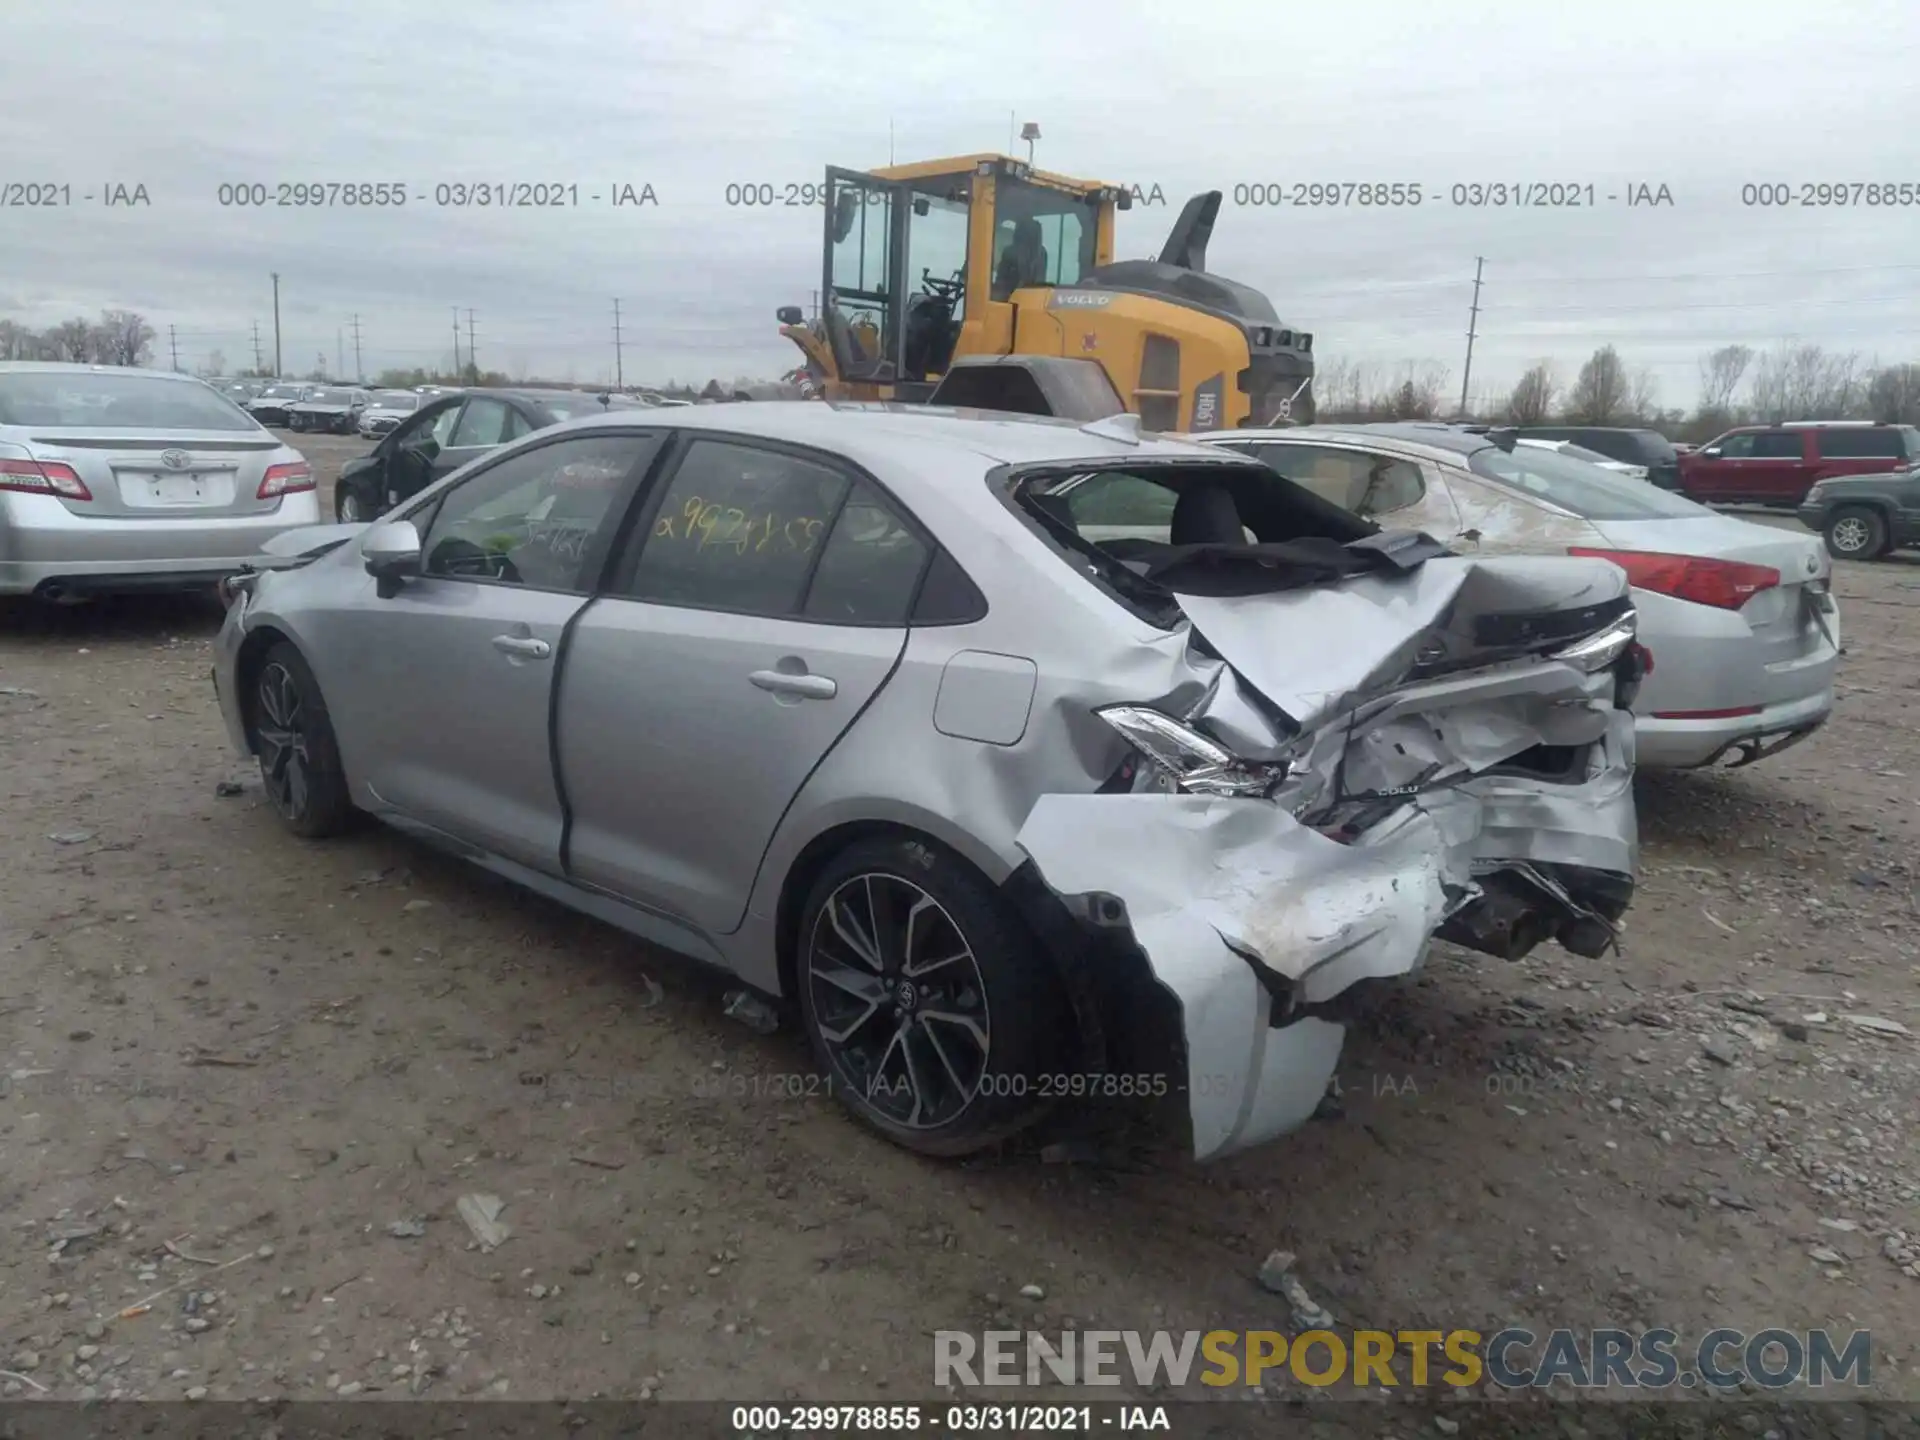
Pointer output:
1777, 464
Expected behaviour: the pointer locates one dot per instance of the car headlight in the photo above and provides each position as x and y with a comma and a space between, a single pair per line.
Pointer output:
1194, 763
1814, 494
1603, 647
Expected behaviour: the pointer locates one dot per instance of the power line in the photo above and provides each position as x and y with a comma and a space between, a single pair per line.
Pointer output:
256, 347
456, 341
1473, 319
472, 363
359, 370
278, 371
619, 367
173, 340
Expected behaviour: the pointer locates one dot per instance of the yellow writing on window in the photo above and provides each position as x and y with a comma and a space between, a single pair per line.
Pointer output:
713, 526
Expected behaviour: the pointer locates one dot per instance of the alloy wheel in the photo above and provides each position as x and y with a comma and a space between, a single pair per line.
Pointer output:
350, 509
1851, 534
899, 1000
285, 759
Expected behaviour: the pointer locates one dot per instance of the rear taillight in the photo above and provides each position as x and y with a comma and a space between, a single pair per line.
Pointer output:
1723, 584
286, 480
43, 477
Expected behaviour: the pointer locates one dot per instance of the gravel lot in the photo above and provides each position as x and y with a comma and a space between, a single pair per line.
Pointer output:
250, 1079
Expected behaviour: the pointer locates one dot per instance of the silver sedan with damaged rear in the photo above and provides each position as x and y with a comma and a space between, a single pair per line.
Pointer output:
114, 479
840, 700
1738, 623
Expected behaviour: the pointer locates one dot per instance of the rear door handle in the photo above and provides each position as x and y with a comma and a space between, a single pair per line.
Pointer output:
522, 646
808, 687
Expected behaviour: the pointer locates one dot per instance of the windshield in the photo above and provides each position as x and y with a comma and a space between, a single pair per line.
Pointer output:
331, 397
1579, 488
1655, 448
126, 401
397, 400
281, 392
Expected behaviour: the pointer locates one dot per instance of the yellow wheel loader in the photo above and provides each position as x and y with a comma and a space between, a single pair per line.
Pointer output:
980, 281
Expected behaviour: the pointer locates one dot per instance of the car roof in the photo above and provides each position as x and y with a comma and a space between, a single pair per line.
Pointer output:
894, 435
1413, 437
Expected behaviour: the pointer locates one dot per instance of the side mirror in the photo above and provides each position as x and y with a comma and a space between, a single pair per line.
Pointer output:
790, 315
1712, 452
390, 552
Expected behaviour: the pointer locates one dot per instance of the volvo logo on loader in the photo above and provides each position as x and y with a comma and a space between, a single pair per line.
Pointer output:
1077, 300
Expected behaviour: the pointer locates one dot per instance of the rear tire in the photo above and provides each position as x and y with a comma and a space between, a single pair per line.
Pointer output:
299, 758
926, 1001
348, 508
1857, 532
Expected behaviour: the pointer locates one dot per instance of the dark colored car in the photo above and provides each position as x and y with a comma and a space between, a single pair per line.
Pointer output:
330, 410
444, 434
1631, 447
1865, 516
1778, 464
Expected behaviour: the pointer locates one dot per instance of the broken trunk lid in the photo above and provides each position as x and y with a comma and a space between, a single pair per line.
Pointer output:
1310, 652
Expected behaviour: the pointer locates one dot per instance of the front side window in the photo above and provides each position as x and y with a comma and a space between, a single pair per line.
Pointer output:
535, 519
1735, 447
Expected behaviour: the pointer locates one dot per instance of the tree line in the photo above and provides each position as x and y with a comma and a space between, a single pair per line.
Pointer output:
1739, 385
118, 337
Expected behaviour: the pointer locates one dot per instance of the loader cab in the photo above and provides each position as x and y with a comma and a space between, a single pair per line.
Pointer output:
922, 262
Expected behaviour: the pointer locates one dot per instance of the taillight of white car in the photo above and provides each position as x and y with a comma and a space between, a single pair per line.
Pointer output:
43, 477
286, 480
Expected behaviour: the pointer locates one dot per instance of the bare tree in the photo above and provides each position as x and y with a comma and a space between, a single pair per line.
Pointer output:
1804, 382
1531, 402
1893, 395
1643, 396
18, 342
122, 338
1720, 374
1600, 394
71, 341
216, 364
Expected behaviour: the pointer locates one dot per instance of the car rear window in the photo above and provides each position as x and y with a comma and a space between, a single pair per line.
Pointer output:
1867, 442
126, 401
572, 407
1577, 487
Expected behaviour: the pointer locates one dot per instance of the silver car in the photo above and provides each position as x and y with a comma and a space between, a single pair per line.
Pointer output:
1740, 627
853, 703
387, 410
117, 479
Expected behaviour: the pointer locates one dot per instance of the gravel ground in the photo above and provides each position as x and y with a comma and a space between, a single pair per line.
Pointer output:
249, 1081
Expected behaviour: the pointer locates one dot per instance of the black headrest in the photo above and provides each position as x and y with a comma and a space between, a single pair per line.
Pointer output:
1206, 515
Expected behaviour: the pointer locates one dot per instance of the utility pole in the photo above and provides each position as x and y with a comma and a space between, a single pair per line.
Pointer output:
472, 364
619, 368
1473, 322
359, 370
173, 342
256, 347
456, 342
339, 353
277, 371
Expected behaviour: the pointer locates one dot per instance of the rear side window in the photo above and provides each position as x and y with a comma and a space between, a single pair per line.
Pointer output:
1116, 506
1778, 445
1864, 443
761, 532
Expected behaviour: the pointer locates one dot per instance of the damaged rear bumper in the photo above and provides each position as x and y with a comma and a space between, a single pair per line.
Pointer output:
1256, 932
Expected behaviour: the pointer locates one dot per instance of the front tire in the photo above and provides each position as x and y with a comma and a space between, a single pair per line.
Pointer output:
1857, 532
348, 508
926, 1001
299, 758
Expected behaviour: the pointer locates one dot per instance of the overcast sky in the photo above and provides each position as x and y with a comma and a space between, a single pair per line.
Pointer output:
1701, 96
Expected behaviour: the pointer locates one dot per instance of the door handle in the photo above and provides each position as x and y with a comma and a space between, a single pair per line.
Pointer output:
808, 687
523, 646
